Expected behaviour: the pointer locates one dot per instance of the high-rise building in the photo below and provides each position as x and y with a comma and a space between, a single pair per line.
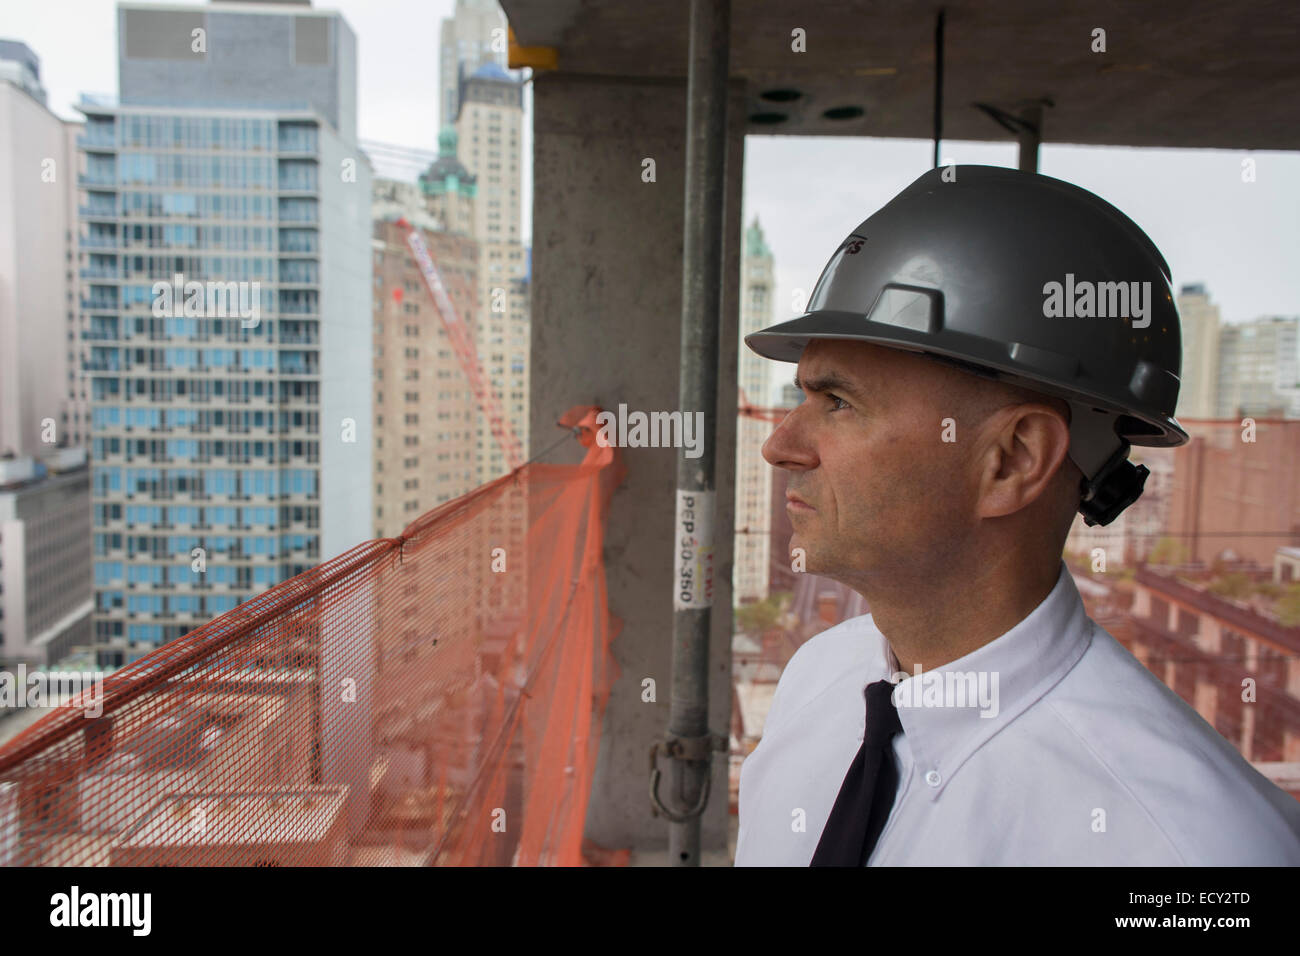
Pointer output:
781, 574
425, 413
1259, 368
488, 123
474, 35
225, 236
489, 134
753, 474
42, 395
44, 562
1197, 391
449, 188
20, 66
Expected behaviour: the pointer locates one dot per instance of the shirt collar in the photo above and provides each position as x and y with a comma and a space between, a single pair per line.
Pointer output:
943, 716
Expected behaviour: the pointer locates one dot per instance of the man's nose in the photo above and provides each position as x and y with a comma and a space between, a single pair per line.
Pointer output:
788, 446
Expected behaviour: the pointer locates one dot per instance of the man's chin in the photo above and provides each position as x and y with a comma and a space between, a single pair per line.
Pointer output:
801, 552
807, 557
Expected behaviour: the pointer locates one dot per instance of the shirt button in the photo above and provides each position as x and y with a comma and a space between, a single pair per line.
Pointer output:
933, 778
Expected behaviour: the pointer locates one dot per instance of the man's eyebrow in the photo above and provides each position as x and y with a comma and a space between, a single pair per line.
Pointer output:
828, 381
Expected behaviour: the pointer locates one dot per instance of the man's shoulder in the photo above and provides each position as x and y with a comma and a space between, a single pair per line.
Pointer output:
826, 649
1193, 784
829, 653
845, 648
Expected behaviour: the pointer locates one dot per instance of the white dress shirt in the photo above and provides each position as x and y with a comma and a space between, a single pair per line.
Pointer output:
1087, 758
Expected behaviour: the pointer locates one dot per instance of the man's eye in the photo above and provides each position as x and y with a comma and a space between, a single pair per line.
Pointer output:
835, 398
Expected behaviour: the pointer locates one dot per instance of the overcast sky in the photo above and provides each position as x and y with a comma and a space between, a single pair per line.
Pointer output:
1240, 239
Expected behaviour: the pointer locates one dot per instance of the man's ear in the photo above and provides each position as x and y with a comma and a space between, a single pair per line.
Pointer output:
1022, 448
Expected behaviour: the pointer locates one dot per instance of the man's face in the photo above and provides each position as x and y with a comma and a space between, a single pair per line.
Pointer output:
884, 498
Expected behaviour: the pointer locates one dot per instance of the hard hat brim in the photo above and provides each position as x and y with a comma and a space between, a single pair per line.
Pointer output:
1012, 362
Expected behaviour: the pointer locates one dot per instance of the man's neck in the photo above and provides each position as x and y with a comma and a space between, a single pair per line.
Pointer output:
936, 622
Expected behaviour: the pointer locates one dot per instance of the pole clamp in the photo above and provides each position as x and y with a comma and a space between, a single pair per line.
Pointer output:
691, 750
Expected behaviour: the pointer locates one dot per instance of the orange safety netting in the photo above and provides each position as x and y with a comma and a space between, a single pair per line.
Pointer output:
434, 699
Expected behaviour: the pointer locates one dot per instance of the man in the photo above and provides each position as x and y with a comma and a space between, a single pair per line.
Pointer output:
973, 380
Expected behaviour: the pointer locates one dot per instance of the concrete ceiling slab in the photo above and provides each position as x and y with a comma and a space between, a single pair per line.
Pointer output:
1175, 73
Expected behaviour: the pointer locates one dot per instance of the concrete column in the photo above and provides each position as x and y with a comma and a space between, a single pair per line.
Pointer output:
1248, 707
1207, 700
1247, 745
1141, 602
606, 314
1210, 635
1290, 754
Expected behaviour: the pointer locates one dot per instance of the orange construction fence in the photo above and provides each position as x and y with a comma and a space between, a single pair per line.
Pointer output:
430, 699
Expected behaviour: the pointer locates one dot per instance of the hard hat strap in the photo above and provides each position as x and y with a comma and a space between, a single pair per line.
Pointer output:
1110, 481
1093, 440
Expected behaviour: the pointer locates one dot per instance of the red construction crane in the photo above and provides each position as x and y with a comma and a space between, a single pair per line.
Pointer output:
464, 346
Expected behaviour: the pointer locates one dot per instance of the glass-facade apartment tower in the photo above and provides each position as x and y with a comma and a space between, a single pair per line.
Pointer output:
225, 313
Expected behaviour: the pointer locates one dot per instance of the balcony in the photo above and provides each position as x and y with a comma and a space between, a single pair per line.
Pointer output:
98, 101
298, 184
304, 143
299, 241
101, 272
98, 140
1240, 617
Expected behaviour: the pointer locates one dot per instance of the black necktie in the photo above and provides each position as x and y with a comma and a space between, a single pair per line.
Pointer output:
867, 793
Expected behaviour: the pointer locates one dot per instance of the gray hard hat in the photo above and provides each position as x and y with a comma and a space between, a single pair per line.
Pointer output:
1025, 279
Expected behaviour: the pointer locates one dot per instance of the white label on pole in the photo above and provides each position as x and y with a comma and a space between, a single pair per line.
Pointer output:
693, 554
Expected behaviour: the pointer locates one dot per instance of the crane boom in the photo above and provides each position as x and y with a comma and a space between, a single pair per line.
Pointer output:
466, 354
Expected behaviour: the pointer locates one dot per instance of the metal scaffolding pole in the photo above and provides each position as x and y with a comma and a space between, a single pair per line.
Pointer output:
688, 741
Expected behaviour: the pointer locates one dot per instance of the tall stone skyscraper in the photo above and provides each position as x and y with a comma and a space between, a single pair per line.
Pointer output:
474, 35
1197, 392
225, 236
489, 134
488, 121
449, 188
425, 414
753, 474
